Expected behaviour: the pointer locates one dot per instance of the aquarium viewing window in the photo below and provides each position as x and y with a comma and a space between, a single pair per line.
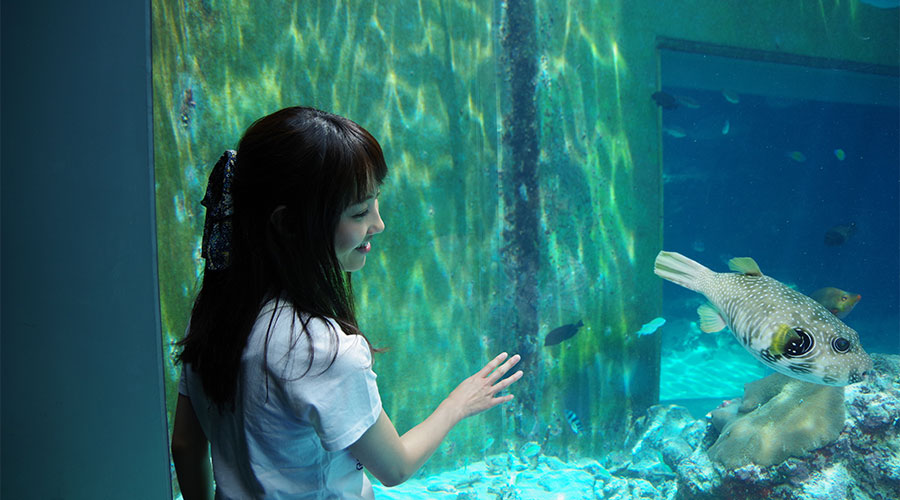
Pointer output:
763, 154
541, 154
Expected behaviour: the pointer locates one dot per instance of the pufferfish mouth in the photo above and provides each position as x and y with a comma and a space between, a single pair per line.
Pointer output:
856, 376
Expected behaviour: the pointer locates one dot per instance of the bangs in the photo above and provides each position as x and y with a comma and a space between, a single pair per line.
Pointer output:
368, 168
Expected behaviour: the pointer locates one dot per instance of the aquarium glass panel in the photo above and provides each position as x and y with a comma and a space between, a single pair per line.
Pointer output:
541, 155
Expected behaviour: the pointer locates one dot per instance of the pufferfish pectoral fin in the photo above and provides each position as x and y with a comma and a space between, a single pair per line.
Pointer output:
783, 336
710, 319
744, 265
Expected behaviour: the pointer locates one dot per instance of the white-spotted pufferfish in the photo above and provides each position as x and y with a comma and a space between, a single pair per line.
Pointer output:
786, 330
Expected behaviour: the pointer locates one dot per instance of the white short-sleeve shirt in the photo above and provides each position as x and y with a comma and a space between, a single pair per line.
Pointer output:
288, 434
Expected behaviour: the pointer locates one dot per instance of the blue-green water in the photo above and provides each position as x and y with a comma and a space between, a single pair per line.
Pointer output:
786, 172
766, 176
761, 169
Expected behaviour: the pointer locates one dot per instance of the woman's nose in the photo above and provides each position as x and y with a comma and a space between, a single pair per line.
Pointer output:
378, 225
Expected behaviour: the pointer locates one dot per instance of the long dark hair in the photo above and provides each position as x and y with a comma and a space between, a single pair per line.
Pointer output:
314, 164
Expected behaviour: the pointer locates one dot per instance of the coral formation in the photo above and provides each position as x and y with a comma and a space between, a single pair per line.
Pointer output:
779, 417
863, 463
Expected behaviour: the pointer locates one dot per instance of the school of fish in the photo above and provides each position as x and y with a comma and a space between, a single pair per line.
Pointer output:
786, 330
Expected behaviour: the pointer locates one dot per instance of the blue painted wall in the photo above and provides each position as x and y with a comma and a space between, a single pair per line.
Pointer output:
82, 395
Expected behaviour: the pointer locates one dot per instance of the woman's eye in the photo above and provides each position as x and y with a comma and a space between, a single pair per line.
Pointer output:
361, 214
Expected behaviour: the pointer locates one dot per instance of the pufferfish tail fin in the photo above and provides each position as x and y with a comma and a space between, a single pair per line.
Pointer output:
681, 270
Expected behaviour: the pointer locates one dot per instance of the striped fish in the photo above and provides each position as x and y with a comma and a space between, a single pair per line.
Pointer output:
786, 330
574, 422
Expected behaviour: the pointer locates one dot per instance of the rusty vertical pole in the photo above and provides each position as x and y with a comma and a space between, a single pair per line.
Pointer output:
521, 198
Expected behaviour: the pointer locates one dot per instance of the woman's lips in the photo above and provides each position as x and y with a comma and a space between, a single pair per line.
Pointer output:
365, 247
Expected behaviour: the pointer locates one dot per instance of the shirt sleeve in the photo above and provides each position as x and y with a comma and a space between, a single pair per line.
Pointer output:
340, 399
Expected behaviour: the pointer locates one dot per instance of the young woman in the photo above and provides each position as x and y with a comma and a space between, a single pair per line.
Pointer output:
277, 377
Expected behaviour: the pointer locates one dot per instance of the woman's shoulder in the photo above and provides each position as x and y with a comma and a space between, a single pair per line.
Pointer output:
287, 329
283, 317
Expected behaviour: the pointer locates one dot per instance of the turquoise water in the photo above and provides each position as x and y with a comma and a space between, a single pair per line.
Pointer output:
539, 478
532, 181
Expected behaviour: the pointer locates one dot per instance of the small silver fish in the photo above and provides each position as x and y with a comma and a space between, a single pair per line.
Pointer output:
784, 329
651, 327
529, 450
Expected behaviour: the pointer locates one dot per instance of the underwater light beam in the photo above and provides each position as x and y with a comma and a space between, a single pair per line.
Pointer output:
615, 51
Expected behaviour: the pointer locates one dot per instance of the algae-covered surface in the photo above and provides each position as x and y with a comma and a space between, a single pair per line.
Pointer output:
437, 288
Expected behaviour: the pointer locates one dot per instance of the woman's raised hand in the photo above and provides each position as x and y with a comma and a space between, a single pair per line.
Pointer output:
393, 459
479, 392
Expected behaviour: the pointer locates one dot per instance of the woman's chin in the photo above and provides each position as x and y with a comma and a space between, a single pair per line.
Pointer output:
355, 263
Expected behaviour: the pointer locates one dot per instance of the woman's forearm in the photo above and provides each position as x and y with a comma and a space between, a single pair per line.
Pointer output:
194, 473
190, 453
423, 440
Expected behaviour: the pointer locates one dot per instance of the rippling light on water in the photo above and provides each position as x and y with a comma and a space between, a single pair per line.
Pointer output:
427, 87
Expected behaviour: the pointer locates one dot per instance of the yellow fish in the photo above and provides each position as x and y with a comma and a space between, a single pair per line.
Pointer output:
839, 302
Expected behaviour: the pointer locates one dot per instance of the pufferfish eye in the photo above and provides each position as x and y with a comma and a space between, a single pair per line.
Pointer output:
840, 344
801, 344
